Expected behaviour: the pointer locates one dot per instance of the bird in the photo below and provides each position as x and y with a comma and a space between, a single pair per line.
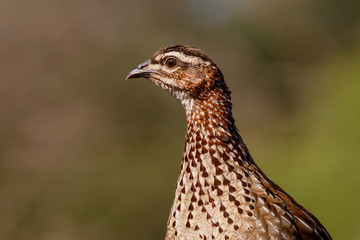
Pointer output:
220, 193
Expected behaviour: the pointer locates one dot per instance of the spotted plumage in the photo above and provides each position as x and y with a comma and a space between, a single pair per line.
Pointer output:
221, 193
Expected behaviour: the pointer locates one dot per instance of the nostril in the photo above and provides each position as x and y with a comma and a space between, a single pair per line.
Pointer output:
144, 64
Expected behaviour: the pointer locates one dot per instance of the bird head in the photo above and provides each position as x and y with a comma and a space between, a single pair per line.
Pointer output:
185, 72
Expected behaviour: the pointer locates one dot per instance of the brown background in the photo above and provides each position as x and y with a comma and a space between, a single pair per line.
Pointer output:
86, 155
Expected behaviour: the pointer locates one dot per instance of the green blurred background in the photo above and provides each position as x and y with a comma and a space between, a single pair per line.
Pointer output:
86, 155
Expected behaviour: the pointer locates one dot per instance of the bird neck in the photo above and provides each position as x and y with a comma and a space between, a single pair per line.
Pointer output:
212, 137
215, 161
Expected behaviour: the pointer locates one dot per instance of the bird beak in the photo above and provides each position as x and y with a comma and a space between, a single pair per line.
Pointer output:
142, 70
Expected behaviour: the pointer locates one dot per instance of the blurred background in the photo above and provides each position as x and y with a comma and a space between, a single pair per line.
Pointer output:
86, 155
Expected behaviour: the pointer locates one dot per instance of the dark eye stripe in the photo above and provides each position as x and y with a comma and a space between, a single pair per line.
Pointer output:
153, 61
184, 63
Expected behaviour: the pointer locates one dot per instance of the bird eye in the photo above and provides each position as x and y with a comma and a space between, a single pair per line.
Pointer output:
171, 62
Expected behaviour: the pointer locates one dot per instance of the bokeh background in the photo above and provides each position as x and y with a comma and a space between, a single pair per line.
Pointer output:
86, 155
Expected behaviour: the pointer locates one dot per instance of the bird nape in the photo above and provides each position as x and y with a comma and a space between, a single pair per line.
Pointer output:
221, 193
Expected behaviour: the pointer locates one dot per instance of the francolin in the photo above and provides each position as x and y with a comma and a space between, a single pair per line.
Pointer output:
221, 193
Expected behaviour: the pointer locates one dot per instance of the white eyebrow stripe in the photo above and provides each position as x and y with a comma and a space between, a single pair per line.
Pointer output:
184, 58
